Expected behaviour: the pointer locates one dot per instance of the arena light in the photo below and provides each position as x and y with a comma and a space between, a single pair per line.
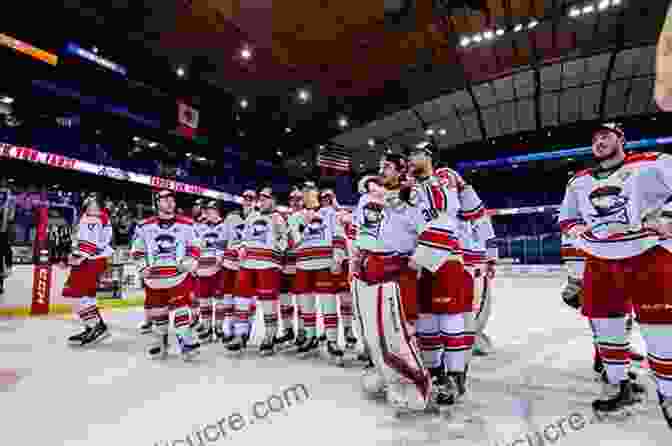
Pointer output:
499, 32
288, 130
246, 53
422, 144
343, 122
604, 4
588, 9
615, 2
371, 143
179, 72
465, 41
153, 144
7, 100
489, 35
442, 132
532, 24
574, 12
136, 138
279, 153
518, 28
429, 132
477, 38
304, 95
243, 103
95, 50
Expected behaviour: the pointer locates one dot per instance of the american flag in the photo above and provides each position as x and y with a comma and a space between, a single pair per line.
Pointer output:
335, 159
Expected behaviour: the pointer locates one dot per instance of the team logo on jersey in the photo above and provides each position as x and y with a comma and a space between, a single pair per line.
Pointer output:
610, 210
165, 244
259, 229
239, 230
210, 240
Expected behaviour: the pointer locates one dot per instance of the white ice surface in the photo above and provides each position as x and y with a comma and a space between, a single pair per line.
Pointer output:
113, 395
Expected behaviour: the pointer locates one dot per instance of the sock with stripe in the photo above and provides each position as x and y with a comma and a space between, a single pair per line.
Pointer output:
613, 346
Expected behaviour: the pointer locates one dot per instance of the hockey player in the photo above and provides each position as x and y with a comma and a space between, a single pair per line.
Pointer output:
318, 257
225, 305
288, 272
212, 233
474, 230
341, 284
198, 217
441, 300
385, 287
619, 214
260, 253
89, 259
574, 260
167, 251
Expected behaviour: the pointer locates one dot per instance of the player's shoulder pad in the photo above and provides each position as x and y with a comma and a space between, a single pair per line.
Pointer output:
644, 156
149, 221
184, 220
579, 174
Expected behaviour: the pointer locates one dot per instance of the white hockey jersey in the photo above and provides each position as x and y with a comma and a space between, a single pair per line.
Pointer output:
439, 204
390, 228
616, 203
264, 240
476, 237
213, 240
169, 248
94, 238
234, 229
318, 242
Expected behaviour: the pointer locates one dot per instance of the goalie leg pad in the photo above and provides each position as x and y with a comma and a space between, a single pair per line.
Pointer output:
395, 357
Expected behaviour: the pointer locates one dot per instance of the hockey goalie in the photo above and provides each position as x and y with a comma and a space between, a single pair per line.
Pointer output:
384, 286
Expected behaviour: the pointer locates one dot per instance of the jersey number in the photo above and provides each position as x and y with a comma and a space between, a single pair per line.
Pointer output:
430, 214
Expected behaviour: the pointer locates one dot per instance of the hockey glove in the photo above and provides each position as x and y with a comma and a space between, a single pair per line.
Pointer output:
572, 293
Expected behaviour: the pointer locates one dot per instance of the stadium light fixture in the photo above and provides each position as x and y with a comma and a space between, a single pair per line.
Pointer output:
429, 132
243, 103
422, 144
180, 72
342, 122
7, 100
304, 95
477, 38
532, 24
95, 50
574, 12
371, 143
246, 53
442, 132
465, 41
288, 130
489, 35
279, 153
604, 4
518, 28
588, 9
615, 2
499, 32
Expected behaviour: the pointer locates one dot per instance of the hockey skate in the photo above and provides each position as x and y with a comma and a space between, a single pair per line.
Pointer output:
444, 390
96, 334
145, 327
237, 345
76, 340
204, 335
350, 339
617, 401
267, 346
336, 355
188, 348
159, 348
300, 340
309, 348
666, 407
223, 337
285, 341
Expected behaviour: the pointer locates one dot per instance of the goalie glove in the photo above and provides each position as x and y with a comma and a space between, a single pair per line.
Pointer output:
572, 293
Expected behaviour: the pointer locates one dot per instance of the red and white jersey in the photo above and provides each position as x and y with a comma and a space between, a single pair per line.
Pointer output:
213, 240
234, 228
169, 248
94, 238
264, 240
289, 257
318, 242
438, 202
474, 236
616, 203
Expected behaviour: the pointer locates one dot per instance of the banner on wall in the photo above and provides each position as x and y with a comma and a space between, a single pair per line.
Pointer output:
28, 50
76, 50
63, 162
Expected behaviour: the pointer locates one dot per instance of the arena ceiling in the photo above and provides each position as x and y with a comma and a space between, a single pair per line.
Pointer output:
529, 65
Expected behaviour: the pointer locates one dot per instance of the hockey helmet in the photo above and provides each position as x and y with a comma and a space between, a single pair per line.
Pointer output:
610, 126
